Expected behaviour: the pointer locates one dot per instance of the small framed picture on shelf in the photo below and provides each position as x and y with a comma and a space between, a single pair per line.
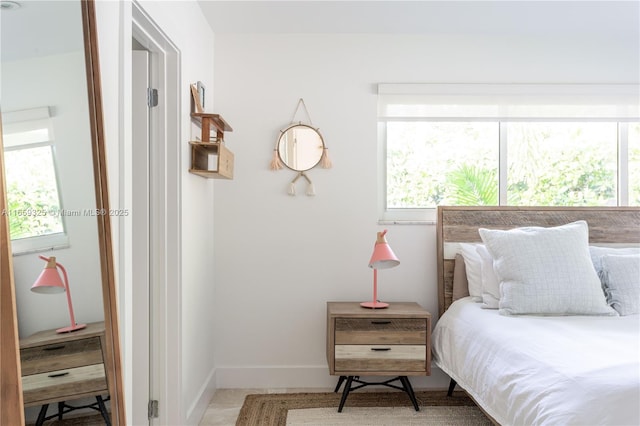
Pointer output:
200, 87
195, 96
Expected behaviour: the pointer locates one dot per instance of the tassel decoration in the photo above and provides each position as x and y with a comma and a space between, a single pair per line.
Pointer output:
326, 162
276, 164
292, 185
311, 191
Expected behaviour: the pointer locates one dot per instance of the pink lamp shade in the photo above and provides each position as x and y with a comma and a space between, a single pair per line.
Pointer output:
49, 282
382, 258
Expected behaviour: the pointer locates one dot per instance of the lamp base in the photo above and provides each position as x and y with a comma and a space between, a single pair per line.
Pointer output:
374, 305
71, 328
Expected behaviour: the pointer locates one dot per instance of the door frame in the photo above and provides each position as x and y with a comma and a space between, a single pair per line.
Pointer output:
165, 230
141, 193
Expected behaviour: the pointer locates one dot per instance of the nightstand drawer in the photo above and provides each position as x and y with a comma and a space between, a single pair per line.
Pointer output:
60, 356
73, 381
380, 358
405, 331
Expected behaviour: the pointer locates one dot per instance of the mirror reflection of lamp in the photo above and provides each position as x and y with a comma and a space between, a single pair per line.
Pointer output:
382, 258
49, 282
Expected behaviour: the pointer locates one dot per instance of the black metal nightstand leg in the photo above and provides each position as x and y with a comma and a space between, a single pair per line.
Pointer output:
452, 386
406, 384
340, 381
103, 410
345, 393
42, 415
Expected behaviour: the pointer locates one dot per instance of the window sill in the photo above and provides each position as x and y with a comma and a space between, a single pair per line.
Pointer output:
406, 222
40, 243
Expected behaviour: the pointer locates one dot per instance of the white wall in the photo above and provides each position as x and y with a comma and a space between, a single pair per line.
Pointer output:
184, 25
56, 81
278, 259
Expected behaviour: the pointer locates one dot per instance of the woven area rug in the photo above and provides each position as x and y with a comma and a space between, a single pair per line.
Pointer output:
361, 408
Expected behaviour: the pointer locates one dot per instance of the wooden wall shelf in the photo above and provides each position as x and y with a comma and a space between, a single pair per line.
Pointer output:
211, 158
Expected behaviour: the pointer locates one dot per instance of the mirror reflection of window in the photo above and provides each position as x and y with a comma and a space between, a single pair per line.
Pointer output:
33, 193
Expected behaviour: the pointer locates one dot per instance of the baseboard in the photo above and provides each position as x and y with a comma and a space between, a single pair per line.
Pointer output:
199, 406
278, 377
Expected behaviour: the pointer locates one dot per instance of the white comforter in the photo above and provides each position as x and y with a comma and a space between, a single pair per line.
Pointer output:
530, 370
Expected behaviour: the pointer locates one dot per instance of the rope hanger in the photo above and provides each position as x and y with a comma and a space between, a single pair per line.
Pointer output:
295, 112
325, 162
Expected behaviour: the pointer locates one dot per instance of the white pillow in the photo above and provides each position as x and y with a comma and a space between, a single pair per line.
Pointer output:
473, 267
546, 271
490, 282
597, 253
621, 278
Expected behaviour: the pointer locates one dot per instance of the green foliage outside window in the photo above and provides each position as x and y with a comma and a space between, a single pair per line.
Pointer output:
562, 164
571, 164
425, 162
469, 185
32, 193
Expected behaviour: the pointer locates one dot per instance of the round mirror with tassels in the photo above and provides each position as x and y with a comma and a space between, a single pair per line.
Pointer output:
300, 147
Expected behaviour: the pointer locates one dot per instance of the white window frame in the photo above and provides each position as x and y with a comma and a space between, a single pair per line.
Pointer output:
502, 103
25, 121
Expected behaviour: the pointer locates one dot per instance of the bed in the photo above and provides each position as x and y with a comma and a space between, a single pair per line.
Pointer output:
525, 368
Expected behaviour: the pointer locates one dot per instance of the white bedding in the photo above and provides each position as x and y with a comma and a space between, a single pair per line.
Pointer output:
534, 370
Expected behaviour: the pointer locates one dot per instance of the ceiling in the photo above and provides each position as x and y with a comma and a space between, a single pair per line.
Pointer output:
425, 17
46, 27
40, 28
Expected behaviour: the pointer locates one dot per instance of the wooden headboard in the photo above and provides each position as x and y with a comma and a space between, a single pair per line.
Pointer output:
607, 225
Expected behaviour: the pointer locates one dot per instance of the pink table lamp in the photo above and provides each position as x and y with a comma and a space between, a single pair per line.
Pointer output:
49, 282
382, 258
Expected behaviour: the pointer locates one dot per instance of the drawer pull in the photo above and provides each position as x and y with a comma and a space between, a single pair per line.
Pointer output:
53, 348
58, 374
380, 322
380, 349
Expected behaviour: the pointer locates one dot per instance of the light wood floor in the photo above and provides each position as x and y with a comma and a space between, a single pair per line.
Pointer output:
226, 403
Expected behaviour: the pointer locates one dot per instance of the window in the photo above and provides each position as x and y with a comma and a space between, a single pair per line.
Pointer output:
634, 164
522, 145
33, 198
562, 164
424, 158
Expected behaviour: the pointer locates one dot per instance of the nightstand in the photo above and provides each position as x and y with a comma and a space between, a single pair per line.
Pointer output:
395, 341
62, 367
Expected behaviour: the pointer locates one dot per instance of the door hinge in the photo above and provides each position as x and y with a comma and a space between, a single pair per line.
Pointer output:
152, 97
152, 409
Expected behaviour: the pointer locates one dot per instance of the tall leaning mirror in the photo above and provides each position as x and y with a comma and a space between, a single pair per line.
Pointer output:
56, 255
